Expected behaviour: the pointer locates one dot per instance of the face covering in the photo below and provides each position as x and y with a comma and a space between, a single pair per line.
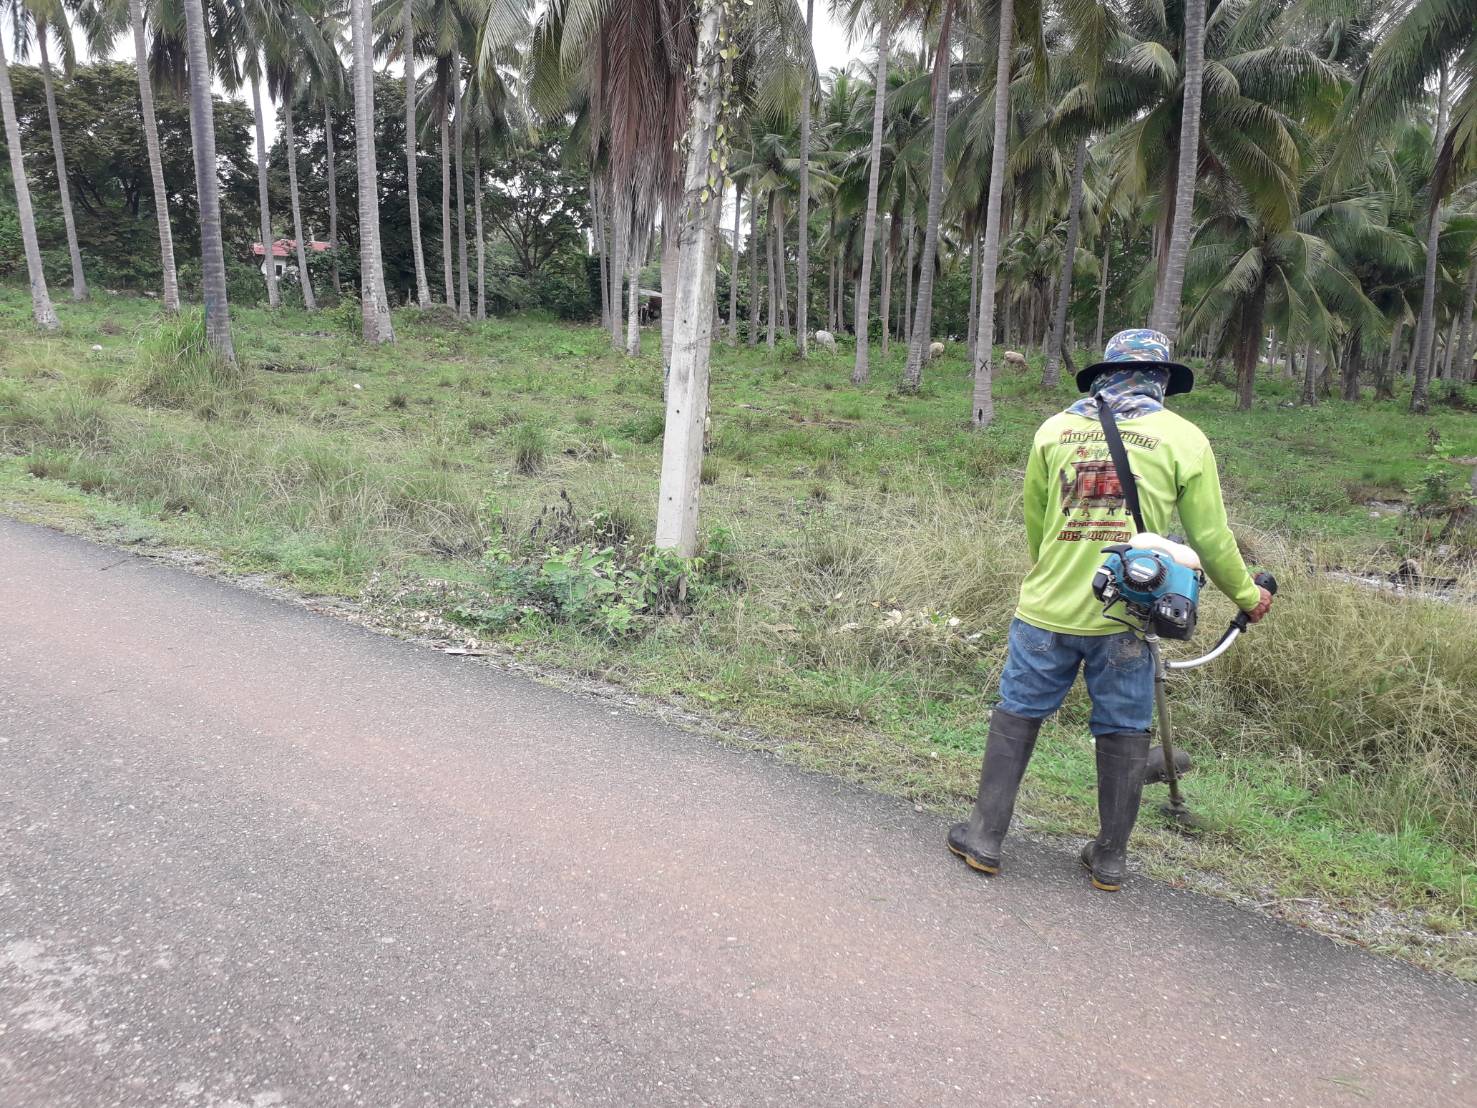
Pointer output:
1130, 392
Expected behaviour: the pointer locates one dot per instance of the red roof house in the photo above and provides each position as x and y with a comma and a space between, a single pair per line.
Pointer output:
284, 253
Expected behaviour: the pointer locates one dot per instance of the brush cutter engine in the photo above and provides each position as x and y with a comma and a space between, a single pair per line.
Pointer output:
1156, 588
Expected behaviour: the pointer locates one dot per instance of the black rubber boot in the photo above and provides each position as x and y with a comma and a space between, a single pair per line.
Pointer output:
1120, 784
1008, 748
1156, 773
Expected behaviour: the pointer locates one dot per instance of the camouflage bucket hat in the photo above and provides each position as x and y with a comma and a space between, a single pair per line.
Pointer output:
1139, 344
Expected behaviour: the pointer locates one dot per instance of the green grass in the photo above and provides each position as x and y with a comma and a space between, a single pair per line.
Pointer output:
862, 552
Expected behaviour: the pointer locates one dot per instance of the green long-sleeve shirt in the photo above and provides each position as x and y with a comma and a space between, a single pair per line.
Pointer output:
1074, 508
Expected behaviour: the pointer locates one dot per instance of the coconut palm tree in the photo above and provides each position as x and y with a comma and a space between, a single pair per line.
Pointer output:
1249, 268
303, 47
982, 404
373, 301
207, 186
412, 188
47, 19
325, 86
1425, 41
464, 295
41, 309
1166, 314
923, 312
862, 370
802, 223
693, 302
156, 162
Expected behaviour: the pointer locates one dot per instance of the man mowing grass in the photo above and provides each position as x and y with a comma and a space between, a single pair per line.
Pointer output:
1075, 506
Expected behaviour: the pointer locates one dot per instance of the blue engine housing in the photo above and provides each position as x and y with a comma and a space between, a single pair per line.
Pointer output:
1155, 588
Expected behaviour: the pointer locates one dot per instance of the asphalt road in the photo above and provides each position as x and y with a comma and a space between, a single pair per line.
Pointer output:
253, 856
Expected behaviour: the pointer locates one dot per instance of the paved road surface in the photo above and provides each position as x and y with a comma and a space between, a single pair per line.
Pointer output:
254, 856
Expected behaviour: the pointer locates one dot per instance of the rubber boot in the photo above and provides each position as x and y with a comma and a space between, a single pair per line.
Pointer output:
1120, 784
1155, 771
1008, 748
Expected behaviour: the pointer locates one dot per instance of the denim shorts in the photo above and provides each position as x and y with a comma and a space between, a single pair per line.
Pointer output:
1042, 665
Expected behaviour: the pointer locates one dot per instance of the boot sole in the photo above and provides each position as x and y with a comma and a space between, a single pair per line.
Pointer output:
1097, 884
974, 863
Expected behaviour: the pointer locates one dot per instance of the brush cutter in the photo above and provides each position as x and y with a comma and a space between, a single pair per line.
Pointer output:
1158, 581
1174, 762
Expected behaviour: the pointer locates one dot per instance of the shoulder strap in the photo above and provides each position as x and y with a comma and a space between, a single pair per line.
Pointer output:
1120, 463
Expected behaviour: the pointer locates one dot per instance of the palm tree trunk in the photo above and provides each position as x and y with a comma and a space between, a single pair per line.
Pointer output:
862, 369
884, 303
338, 287
636, 263
1426, 328
305, 278
669, 273
831, 292
207, 188
1102, 287
769, 253
834, 277
1351, 369
1166, 314
1384, 387
923, 313
733, 270
602, 249
156, 163
1248, 347
753, 269
447, 243
477, 225
79, 282
41, 309
781, 269
841, 290
972, 324
620, 233
802, 228
1310, 377
374, 304
907, 318
693, 302
1051, 375
264, 206
1469, 299
412, 188
982, 410
464, 293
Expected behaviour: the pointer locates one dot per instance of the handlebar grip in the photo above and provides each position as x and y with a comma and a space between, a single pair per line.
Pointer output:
1267, 581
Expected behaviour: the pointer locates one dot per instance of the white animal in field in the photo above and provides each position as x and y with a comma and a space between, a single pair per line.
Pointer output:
826, 339
935, 351
1015, 358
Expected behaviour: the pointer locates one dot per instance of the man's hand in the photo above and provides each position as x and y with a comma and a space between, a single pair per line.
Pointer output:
1263, 606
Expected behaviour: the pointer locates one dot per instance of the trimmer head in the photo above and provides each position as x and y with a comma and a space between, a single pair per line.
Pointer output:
1181, 819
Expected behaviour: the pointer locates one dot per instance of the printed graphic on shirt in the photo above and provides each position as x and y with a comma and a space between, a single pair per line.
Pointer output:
1092, 495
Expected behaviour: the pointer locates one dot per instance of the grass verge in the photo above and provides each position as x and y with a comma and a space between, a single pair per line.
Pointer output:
862, 555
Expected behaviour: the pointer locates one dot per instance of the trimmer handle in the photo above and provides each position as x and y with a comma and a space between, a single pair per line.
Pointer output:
1264, 580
